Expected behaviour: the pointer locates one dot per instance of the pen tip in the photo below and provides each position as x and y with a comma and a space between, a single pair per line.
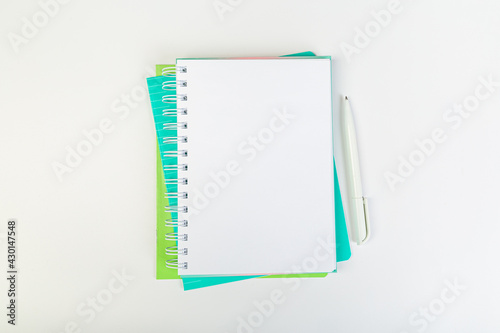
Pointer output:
346, 98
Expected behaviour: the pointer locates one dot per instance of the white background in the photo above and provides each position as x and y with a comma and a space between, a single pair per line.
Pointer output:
439, 225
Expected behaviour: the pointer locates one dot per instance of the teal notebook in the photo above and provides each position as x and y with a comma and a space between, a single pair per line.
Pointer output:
342, 242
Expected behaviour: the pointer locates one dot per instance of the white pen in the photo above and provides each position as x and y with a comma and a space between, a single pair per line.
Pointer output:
360, 224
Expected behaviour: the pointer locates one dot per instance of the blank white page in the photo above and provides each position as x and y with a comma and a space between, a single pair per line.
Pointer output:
260, 166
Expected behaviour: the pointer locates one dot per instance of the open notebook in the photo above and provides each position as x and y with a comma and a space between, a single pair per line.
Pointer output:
259, 178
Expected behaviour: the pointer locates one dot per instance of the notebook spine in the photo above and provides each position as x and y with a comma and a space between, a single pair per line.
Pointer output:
174, 140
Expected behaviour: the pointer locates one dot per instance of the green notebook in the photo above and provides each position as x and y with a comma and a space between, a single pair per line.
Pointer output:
342, 242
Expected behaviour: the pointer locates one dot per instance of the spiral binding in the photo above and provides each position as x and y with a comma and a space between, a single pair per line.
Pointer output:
175, 167
175, 139
176, 223
172, 71
175, 250
173, 181
175, 236
174, 112
173, 195
174, 115
175, 264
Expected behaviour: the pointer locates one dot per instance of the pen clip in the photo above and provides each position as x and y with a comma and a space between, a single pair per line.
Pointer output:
367, 221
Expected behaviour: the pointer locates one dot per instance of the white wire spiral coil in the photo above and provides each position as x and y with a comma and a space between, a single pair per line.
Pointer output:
174, 100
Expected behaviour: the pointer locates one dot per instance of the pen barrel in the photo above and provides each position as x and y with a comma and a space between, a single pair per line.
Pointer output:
358, 222
351, 153
358, 219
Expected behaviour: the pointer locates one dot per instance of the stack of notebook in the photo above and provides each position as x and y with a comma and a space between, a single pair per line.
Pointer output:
247, 185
